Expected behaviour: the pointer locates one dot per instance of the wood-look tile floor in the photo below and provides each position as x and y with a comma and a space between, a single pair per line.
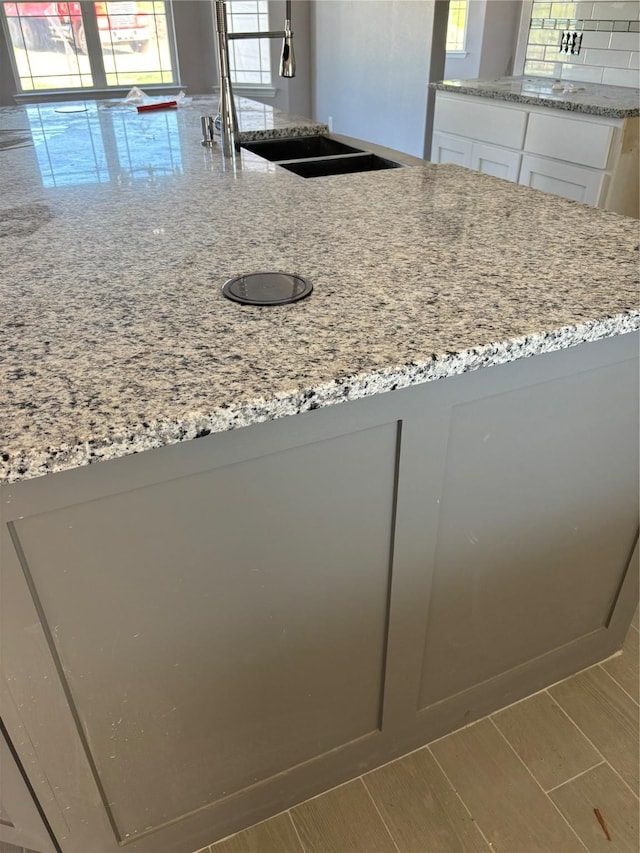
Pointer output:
523, 780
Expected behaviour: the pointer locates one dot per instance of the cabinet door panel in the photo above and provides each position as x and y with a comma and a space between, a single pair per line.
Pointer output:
479, 119
450, 149
573, 182
20, 821
223, 627
579, 141
499, 162
537, 521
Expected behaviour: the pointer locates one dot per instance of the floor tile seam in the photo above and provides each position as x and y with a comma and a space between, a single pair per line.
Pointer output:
624, 781
545, 794
295, 829
210, 848
375, 805
544, 689
459, 796
573, 778
599, 751
571, 720
624, 690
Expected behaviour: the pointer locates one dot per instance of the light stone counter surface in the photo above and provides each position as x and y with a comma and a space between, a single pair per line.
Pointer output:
118, 229
592, 98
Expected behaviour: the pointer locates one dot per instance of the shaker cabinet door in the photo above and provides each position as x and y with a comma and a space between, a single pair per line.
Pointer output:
213, 632
451, 149
574, 182
499, 162
537, 518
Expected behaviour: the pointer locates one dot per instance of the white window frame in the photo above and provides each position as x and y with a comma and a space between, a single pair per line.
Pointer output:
100, 88
248, 89
462, 52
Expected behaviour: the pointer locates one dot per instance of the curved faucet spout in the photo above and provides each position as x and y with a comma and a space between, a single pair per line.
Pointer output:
288, 58
227, 119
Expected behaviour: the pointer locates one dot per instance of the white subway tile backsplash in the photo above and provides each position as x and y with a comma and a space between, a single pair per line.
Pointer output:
607, 58
566, 57
622, 41
610, 49
535, 51
617, 10
621, 77
581, 73
542, 69
600, 40
545, 37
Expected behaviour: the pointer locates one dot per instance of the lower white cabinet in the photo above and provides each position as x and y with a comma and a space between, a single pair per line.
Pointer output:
492, 160
489, 159
446, 148
575, 182
586, 158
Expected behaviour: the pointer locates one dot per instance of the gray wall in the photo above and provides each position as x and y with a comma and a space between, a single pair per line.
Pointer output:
7, 87
372, 61
501, 23
492, 32
193, 21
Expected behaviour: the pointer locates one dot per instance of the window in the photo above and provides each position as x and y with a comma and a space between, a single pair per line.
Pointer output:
457, 26
51, 44
249, 59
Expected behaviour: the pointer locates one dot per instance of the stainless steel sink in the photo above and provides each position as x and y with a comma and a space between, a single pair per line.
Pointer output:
298, 148
339, 165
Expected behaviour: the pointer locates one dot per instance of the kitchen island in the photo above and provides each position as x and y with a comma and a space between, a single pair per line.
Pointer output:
249, 552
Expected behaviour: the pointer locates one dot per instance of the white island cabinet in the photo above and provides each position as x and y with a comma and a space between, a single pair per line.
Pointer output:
586, 157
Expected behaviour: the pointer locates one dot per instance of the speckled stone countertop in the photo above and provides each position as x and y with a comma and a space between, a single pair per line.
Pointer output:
592, 98
118, 229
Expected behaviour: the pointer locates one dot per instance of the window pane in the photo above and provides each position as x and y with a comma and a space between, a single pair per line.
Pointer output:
44, 57
457, 25
135, 42
249, 60
50, 45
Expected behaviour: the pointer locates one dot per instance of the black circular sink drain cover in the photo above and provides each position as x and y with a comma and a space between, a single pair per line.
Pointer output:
267, 288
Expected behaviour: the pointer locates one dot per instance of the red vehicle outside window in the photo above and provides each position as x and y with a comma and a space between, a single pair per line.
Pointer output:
38, 24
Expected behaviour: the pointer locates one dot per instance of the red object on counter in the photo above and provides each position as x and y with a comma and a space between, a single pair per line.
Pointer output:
163, 105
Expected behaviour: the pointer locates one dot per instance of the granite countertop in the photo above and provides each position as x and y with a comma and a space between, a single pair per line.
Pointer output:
592, 98
118, 229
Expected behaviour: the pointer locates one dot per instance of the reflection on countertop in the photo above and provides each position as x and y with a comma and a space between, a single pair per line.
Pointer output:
93, 142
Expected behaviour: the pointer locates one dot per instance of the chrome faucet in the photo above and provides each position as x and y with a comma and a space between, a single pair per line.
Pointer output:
226, 120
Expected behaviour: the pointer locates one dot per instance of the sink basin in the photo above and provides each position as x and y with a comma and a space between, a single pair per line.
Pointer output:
298, 148
339, 165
